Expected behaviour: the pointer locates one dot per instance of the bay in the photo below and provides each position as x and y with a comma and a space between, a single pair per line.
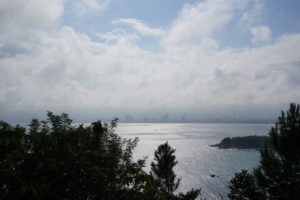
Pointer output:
196, 160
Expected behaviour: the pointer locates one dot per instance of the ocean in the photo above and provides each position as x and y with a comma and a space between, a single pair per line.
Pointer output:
196, 159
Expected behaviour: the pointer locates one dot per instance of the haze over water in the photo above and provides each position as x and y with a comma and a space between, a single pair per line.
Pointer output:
198, 60
196, 160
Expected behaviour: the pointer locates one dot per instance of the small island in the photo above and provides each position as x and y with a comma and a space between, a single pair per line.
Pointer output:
246, 142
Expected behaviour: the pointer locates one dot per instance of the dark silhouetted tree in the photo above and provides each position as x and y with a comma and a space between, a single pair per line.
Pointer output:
54, 160
162, 168
242, 187
278, 175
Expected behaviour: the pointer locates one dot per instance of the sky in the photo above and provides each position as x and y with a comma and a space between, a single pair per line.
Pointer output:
97, 59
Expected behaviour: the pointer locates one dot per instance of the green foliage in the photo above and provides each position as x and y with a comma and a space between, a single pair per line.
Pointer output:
190, 195
162, 168
54, 160
246, 142
278, 175
164, 176
242, 187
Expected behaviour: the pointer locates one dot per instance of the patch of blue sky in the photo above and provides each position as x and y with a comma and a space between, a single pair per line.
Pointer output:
233, 36
280, 16
155, 13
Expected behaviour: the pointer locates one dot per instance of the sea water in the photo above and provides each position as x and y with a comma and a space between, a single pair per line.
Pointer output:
196, 159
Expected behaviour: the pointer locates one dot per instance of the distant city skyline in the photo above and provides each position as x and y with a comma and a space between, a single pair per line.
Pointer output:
166, 118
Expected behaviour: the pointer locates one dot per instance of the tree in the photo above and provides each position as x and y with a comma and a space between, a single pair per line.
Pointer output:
242, 187
162, 169
55, 160
164, 178
278, 174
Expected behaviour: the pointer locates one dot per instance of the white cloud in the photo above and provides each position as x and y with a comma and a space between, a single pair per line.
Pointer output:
117, 35
18, 18
253, 14
64, 70
196, 23
140, 27
86, 75
251, 20
261, 34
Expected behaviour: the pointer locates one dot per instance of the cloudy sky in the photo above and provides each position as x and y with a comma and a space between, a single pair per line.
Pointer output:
104, 58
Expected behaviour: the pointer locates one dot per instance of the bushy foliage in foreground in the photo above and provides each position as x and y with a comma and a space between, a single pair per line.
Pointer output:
278, 175
54, 160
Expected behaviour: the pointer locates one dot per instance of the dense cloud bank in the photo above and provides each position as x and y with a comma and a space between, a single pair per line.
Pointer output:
47, 65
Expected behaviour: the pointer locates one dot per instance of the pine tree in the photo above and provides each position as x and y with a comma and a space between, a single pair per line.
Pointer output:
278, 175
162, 169
242, 187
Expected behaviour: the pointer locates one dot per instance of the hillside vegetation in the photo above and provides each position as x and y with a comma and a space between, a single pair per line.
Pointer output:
246, 142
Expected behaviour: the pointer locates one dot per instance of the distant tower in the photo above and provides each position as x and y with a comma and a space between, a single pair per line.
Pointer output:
183, 118
233, 116
146, 120
153, 120
165, 117
129, 119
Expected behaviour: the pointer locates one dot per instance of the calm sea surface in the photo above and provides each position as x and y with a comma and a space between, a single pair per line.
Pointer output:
196, 160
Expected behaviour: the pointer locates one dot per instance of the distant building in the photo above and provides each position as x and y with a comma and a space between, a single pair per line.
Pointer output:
182, 119
165, 118
146, 120
129, 119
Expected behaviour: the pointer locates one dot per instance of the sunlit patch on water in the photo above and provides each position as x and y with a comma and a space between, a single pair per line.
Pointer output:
198, 161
